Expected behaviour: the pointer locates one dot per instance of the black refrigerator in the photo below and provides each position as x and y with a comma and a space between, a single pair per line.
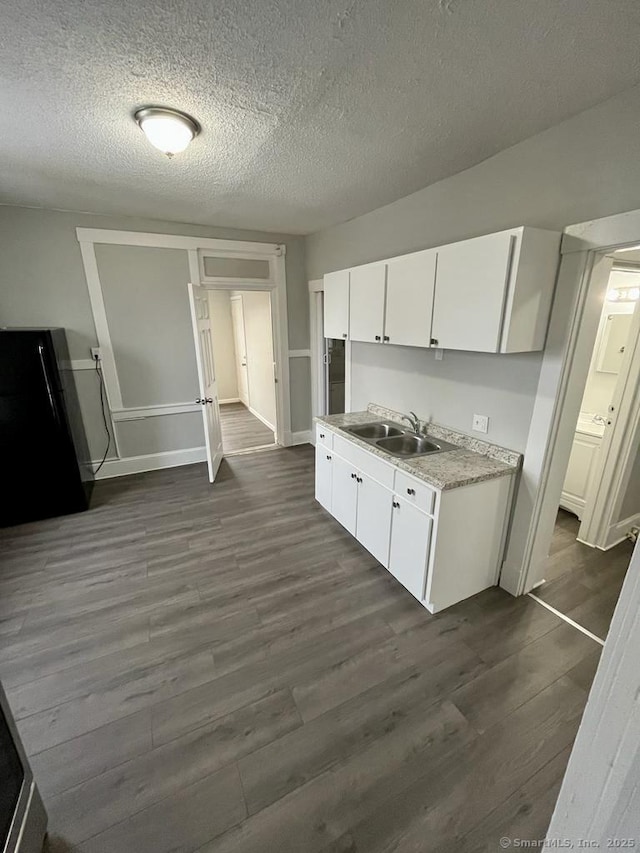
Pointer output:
45, 467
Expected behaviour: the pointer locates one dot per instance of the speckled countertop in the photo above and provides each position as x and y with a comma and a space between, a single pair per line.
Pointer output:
472, 462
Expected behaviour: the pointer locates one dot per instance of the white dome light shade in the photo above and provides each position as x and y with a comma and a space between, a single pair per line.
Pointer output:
170, 131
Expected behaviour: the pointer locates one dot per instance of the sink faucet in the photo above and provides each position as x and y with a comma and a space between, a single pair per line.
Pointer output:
414, 420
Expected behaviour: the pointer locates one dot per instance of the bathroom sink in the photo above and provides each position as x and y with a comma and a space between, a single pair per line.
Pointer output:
409, 445
377, 430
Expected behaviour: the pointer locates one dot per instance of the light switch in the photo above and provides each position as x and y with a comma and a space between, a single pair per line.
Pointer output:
481, 423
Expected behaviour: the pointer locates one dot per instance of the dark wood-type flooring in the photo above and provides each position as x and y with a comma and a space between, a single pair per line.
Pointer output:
582, 582
241, 430
211, 669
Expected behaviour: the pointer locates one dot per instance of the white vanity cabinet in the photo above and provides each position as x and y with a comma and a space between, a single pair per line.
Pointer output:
583, 464
443, 546
487, 294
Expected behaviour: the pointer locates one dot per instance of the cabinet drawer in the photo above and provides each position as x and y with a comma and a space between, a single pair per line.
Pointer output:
364, 461
414, 491
324, 436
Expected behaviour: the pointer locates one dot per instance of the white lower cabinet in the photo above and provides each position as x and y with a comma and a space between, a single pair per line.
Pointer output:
373, 527
324, 476
442, 546
409, 551
344, 493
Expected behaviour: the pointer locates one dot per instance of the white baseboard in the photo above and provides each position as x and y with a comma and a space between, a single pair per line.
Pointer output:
260, 418
303, 437
229, 400
618, 532
150, 462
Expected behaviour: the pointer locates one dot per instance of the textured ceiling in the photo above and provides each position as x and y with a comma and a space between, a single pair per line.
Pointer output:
313, 111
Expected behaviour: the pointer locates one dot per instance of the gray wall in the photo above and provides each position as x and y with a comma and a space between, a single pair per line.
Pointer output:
631, 501
42, 282
584, 168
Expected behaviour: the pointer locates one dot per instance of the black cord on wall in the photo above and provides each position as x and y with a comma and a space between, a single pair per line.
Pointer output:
104, 413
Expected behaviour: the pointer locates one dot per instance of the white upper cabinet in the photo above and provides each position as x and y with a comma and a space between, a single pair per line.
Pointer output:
471, 286
366, 300
409, 304
493, 293
336, 304
487, 294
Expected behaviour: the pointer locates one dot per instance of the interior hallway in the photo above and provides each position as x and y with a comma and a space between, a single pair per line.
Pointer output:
224, 668
583, 583
241, 430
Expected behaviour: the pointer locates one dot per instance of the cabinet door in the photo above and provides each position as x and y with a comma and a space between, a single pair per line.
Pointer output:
409, 306
344, 493
366, 318
470, 294
373, 528
324, 472
580, 472
336, 304
409, 551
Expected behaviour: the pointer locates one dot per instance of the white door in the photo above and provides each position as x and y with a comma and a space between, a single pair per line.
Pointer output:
324, 472
240, 340
366, 303
208, 399
336, 304
409, 551
471, 290
373, 527
409, 306
344, 493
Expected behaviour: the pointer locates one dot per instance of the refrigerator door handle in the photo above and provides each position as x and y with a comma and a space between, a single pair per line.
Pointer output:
52, 402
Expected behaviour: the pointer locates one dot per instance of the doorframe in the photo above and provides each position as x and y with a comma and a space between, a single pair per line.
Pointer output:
582, 280
319, 402
276, 287
617, 453
239, 299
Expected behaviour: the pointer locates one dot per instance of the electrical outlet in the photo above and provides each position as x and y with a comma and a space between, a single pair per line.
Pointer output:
439, 354
481, 423
96, 354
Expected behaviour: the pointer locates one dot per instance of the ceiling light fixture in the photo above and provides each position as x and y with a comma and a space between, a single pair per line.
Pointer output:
170, 131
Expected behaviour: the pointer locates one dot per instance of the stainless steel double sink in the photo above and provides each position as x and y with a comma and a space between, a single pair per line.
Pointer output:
397, 441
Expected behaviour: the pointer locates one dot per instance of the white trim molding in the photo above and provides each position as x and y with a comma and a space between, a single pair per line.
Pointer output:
138, 413
82, 364
261, 418
619, 531
149, 462
229, 400
176, 241
302, 437
299, 353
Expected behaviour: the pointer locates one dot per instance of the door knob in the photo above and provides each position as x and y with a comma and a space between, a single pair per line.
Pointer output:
377, 337
199, 400
208, 400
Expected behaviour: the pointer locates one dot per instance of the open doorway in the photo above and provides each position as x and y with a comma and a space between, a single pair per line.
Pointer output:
599, 509
243, 354
330, 361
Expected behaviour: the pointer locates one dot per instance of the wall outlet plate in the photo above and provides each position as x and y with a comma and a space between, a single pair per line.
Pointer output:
439, 354
96, 354
481, 423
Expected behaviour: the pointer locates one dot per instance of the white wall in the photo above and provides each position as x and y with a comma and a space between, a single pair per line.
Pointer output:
600, 387
259, 341
224, 348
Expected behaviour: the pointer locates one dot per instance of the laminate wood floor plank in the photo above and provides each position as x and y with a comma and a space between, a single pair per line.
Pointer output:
241, 430
582, 582
166, 770
180, 641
